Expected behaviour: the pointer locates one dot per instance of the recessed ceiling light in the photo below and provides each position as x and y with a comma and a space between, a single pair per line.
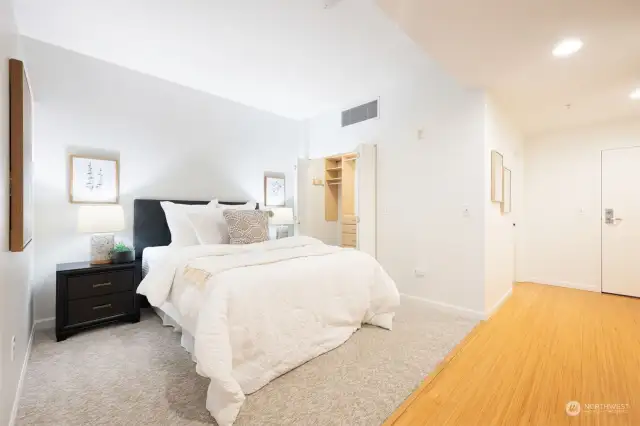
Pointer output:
567, 47
635, 95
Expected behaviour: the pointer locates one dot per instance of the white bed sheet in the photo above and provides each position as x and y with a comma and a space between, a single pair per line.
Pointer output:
167, 312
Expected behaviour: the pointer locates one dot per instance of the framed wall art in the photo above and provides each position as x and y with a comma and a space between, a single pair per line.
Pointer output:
506, 189
274, 191
20, 158
93, 180
497, 177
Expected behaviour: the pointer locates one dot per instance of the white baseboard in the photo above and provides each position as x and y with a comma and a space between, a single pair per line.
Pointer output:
499, 303
465, 312
23, 373
45, 323
565, 284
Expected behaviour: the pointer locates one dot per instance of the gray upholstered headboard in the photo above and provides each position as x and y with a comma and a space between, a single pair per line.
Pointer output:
150, 224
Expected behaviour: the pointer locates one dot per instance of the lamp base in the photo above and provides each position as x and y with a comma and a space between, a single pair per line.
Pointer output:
101, 246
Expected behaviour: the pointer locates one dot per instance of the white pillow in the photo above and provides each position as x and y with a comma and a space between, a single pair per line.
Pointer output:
210, 226
182, 233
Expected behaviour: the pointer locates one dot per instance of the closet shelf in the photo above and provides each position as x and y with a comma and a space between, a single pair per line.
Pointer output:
334, 168
350, 156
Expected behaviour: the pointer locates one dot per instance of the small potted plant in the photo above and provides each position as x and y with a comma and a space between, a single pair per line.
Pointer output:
121, 253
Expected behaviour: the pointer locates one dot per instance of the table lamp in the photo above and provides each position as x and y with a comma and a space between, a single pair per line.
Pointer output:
102, 222
282, 217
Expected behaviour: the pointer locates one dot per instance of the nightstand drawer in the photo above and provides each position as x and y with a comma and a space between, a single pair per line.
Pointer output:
95, 308
98, 284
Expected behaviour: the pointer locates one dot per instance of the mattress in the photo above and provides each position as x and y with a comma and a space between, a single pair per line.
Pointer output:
151, 255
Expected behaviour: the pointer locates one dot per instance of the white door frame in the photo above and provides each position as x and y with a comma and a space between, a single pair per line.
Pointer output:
602, 210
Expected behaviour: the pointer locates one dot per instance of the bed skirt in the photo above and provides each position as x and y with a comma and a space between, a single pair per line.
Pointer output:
187, 341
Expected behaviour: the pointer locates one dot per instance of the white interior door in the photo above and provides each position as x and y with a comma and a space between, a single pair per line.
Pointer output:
299, 202
621, 221
366, 205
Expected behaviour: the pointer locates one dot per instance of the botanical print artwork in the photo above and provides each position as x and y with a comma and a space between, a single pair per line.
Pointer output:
94, 180
274, 191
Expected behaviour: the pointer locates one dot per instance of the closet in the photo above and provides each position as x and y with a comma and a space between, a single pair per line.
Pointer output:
337, 198
340, 195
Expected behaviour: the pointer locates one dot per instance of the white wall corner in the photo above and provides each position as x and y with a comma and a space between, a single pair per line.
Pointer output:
445, 307
45, 323
23, 373
498, 304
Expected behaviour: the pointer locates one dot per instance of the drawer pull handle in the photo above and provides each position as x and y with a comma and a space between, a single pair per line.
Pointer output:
108, 305
101, 285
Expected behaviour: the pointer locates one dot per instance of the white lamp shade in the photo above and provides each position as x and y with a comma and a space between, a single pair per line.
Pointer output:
97, 219
282, 216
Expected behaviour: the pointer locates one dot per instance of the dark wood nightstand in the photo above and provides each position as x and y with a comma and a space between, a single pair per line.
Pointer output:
93, 295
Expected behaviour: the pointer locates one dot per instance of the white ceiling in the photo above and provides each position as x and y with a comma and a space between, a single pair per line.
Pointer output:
295, 58
505, 46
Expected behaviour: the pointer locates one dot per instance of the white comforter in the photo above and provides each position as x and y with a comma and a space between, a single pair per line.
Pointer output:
264, 309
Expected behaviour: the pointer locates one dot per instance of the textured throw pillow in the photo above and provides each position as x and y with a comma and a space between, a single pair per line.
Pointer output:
247, 226
182, 233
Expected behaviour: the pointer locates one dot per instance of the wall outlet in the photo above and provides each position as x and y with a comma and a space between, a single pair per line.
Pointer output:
419, 272
13, 348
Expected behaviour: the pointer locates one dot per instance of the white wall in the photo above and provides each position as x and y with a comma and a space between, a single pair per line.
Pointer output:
561, 234
500, 234
172, 142
15, 268
425, 184
293, 58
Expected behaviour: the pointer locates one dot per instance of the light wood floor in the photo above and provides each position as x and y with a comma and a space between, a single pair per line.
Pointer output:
545, 347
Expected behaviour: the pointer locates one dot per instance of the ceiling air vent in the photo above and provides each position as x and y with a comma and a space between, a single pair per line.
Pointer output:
360, 113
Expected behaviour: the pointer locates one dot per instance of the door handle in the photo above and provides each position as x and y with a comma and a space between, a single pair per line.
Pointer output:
609, 219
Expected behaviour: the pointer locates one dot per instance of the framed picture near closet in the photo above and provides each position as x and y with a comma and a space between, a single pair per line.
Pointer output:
274, 190
497, 177
93, 180
506, 204
20, 158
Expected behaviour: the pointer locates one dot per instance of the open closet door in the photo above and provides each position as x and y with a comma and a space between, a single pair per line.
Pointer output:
299, 202
366, 204
311, 199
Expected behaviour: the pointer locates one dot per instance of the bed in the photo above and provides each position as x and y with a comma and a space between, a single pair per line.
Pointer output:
151, 238
250, 313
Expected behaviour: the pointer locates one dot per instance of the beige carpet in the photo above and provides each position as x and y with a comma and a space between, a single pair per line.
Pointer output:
138, 374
